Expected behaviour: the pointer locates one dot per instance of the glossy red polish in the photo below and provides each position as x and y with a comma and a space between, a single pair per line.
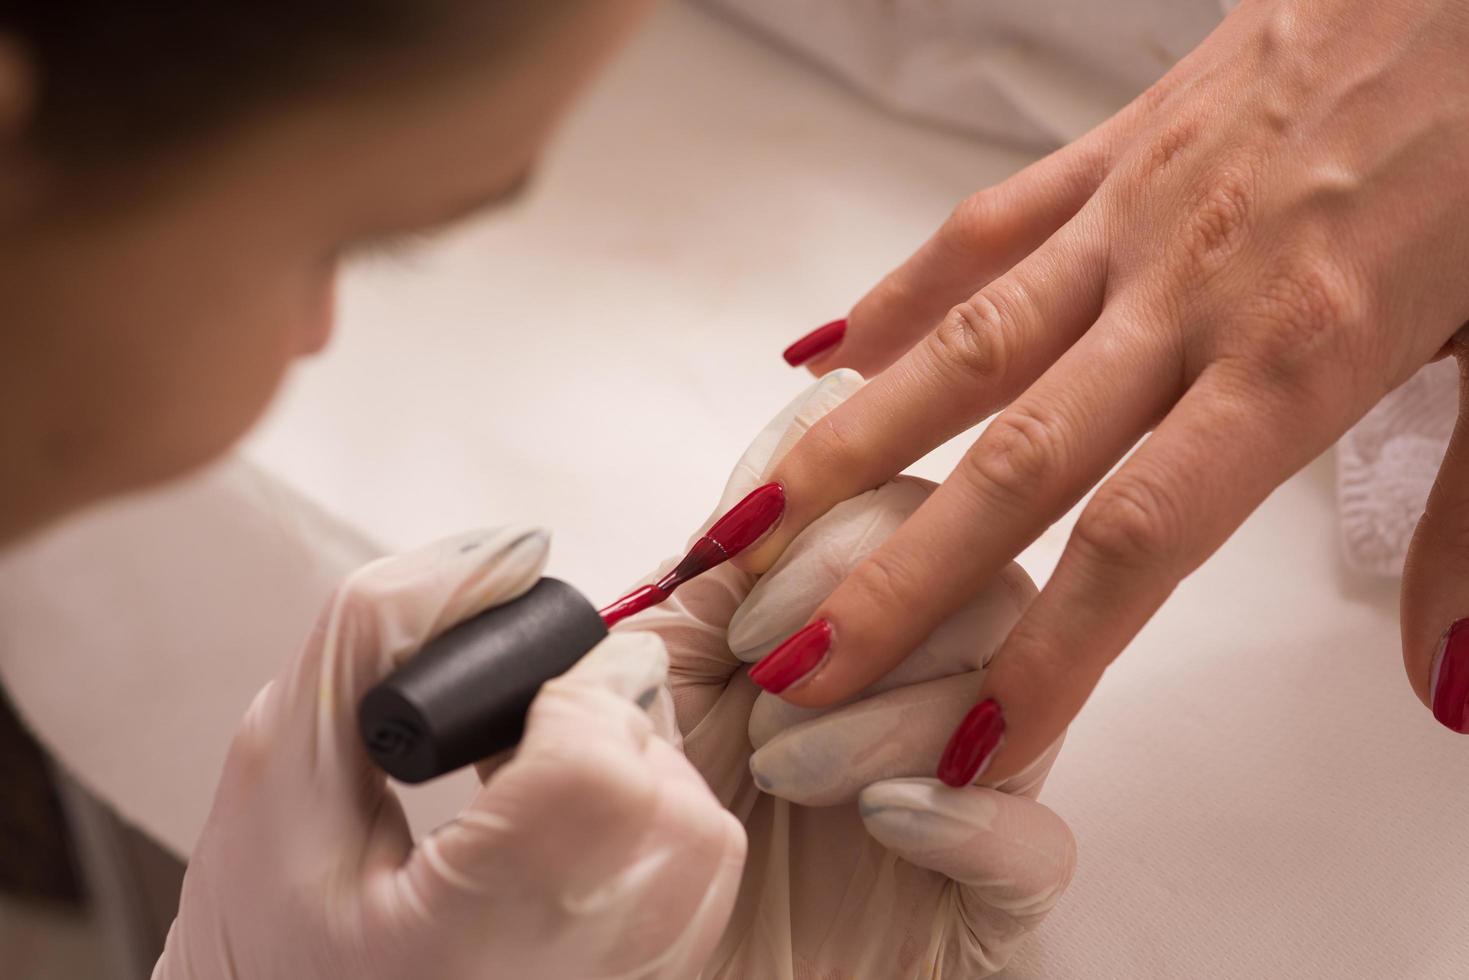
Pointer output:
815, 343
633, 603
972, 744
744, 524
1450, 685
794, 659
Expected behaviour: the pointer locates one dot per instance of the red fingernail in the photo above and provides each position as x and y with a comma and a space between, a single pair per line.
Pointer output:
972, 744
744, 524
749, 519
818, 341
793, 659
1450, 686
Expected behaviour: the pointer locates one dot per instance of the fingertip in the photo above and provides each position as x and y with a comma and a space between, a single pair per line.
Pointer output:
1448, 683
1019, 851
795, 661
912, 810
1435, 631
973, 745
816, 345
904, 793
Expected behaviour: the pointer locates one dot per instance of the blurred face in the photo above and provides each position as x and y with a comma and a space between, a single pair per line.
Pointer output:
149, 315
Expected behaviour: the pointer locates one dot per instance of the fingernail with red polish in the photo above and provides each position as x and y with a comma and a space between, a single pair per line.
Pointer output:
973, 743
741, 526
747, 521
818, 341
1449, 689
793, 659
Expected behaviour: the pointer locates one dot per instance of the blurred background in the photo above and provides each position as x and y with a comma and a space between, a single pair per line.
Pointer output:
744, 172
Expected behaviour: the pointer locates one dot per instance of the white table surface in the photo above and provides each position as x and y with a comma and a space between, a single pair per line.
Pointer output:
1255, 789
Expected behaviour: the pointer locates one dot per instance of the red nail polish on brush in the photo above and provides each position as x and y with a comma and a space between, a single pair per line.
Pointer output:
1450, 685
631, 604
793, 659
744, 524
815, 343
972, 744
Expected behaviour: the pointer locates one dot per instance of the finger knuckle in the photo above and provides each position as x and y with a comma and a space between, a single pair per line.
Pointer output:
971, 342
250, 750
1128, 524
1169, 143
831, 453
1305, 305
1217, 219
972, 221
1017, 458
882, 577
831, 443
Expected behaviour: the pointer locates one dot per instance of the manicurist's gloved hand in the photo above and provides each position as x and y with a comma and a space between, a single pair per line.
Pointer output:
858, 866
595, 852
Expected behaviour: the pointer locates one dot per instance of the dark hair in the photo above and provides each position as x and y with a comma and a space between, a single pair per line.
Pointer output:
118, 76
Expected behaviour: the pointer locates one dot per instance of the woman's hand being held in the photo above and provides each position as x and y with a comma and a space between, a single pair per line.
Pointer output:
1242, 262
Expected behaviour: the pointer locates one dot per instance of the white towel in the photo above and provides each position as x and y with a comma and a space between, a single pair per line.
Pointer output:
1034, 74
1386, 465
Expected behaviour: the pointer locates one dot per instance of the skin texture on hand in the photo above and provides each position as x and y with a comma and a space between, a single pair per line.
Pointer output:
1237, 266
858, 866
594, 851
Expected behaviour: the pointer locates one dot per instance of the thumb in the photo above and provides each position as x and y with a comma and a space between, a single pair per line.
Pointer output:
1011, 856
297, 774
301, 733
1435, 601
581, 774
379, 617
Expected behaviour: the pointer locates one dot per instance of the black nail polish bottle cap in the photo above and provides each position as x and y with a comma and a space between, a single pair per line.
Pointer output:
465, 695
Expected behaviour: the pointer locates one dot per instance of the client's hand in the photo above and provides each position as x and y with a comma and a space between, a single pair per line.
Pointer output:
858, 866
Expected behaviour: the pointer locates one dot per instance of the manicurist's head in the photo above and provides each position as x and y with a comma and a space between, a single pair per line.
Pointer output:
179, 182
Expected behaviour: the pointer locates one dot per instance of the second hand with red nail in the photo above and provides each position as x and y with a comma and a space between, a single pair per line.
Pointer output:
465, 695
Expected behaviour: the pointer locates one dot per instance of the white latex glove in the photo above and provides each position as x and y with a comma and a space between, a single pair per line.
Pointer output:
595, 852
917, 881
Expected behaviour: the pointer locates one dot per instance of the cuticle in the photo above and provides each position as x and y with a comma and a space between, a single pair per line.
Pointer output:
989, 759
807, 677
1435, 666
781, 517
814, 672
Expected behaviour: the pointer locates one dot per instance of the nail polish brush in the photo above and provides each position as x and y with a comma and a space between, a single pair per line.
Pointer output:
464, 696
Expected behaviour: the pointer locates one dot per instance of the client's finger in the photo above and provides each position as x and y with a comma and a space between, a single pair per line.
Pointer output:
987, 234
1211, 462
983, 354
1028, 468
1435, 617
830, 759
828, 551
